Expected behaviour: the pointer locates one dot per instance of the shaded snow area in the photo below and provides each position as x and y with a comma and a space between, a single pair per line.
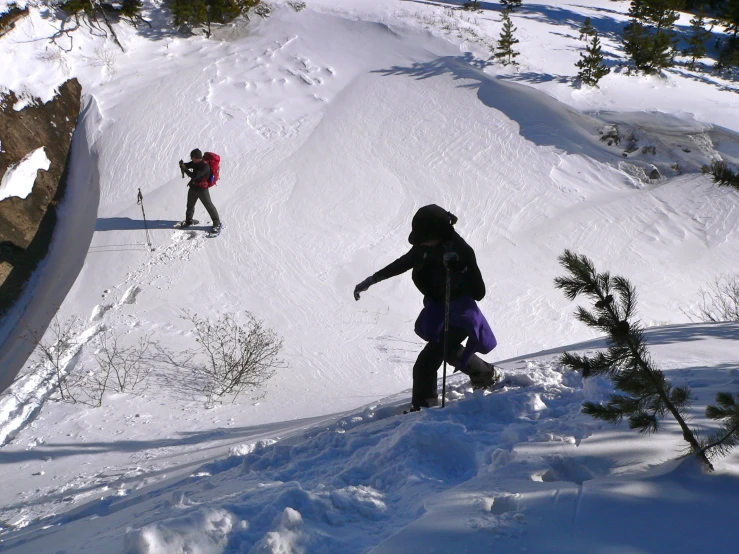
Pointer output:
518, 469
334, 124
19, 179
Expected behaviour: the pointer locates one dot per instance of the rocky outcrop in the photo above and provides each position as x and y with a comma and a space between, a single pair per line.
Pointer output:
27, 224
8, 19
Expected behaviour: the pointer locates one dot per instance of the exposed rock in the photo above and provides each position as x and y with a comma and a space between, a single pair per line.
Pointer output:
8, 19
26, 224
654, 174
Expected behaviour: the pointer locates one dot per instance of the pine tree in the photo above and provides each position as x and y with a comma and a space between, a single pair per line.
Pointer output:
697, 40
728, 57
506, 42
191, 12
592, 68
511, 4
644, 394
199, 12
730, 15
636, 37
723, 176
587, 30
649, 38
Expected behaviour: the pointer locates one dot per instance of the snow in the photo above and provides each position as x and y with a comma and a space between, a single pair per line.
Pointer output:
19, 178
334, 124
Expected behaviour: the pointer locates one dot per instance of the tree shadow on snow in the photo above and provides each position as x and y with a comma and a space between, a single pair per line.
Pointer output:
542, 119
671, 334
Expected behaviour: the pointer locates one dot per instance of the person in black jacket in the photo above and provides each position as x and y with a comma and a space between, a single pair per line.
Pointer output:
436, 246
199, 172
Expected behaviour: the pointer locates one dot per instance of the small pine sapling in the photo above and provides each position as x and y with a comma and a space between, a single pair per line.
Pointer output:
587, 30
644, 394
511, 4
506, 42
697, 40
592, 68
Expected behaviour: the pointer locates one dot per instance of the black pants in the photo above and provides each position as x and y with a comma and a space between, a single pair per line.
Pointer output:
199, 193
428, 363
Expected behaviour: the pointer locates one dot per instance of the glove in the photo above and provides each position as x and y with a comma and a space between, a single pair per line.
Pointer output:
450, 257
363, 286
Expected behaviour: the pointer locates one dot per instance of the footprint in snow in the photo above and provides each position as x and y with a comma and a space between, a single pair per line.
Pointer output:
179, 236
504, 504
129, 297
99, 311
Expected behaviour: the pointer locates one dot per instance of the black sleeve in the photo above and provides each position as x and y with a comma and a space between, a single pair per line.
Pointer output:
473, 280
477, 285
401, 265
197, 172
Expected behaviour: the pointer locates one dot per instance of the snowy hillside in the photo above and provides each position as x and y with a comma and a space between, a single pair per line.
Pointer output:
334, 124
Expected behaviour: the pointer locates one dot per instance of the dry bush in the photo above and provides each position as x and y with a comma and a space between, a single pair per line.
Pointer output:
52, 349
231, 357
119, 368
719, 302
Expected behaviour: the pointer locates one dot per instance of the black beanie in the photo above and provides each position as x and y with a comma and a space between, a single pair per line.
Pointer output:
431, 222
196, 154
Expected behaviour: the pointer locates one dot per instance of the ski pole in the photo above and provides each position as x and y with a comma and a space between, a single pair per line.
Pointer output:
140, 202
446, 332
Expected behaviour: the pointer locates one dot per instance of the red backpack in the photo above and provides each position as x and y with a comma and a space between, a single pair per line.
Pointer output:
214, 161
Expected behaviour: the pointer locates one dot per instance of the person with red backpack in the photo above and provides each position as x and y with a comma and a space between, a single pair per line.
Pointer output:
203, 173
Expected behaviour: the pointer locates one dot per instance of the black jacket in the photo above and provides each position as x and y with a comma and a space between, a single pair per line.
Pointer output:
429, 273
198, 172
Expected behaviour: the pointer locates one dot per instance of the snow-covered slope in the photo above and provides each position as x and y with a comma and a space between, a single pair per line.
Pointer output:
517, 470
334, 125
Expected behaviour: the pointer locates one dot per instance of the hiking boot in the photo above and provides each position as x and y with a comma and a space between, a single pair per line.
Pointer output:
484, 379
428, 403
216, 229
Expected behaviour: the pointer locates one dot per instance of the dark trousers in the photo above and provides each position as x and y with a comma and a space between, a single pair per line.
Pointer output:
428, 363
199, 193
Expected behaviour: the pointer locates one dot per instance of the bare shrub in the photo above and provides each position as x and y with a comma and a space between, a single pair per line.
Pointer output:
107, 59
54, 349
119, 368
232, 357
56, 56
719, 302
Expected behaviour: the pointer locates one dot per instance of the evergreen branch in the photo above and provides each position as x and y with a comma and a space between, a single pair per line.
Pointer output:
583, 275
648, 395
727, 436
604, 413
576, 362
644, 422
724, 176
588, 318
